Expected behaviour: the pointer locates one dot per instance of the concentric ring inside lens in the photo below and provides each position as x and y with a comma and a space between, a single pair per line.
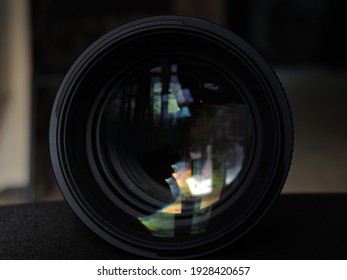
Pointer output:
175, 137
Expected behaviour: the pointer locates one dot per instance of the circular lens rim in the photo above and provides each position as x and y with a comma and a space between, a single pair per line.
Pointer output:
92, 217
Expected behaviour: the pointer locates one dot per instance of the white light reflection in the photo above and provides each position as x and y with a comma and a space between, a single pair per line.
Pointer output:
234, 165
198, 186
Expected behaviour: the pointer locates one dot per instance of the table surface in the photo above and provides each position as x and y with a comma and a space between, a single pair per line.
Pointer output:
297, 227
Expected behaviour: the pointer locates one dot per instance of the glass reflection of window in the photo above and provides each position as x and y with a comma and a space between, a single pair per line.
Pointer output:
169, 98
212, 160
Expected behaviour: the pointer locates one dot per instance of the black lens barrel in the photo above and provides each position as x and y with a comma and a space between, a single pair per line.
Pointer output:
170, 137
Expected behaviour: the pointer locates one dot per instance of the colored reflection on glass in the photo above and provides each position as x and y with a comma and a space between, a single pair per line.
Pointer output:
210, 161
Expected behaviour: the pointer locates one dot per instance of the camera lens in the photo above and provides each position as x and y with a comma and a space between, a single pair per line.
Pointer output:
170, 137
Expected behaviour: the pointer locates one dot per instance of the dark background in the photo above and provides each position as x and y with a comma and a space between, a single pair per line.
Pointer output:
304, 40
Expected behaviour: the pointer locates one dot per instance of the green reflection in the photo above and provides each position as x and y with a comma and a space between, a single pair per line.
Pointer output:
160, 224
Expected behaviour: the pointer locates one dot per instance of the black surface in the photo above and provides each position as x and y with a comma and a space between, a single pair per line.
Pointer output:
298, 227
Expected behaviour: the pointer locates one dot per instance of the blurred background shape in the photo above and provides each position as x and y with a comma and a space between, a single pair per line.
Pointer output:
305, 41
15, 92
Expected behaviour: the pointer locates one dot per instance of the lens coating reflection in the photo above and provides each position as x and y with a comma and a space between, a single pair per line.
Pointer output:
182, 132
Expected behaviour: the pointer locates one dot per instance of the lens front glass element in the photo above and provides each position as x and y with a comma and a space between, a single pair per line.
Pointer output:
175, 139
